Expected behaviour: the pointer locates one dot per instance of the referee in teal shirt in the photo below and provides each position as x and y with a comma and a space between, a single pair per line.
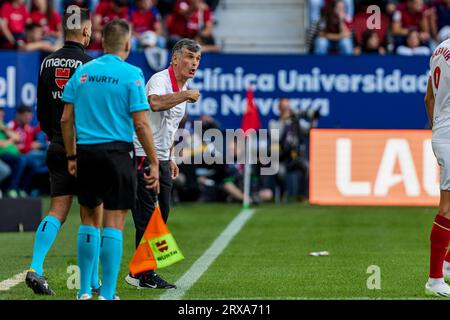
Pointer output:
106, 102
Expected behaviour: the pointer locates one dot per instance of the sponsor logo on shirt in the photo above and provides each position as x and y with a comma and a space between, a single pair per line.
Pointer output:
62, 75
103, 79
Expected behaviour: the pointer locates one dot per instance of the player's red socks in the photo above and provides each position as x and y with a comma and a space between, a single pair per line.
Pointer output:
440, 238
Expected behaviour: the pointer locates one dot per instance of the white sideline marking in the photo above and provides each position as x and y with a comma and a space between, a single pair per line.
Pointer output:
202, 264
7, 284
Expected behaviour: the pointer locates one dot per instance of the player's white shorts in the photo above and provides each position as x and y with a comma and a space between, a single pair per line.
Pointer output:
442, 153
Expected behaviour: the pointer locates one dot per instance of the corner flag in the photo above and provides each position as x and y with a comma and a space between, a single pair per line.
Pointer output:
250, 120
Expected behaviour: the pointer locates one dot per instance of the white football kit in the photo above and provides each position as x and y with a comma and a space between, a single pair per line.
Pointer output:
440, 80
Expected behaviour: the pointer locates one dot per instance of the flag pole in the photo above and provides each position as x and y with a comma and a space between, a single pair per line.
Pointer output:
247, 172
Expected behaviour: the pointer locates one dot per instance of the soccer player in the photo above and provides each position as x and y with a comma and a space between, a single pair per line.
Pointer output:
104, 99
56, 69
437, 101
167, 94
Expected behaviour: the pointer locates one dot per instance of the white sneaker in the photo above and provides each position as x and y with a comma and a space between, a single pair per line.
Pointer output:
446, 271
132, 281
437, 288
446, 275
85, 296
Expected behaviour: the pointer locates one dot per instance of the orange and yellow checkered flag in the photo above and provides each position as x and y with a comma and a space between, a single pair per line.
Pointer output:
157, 248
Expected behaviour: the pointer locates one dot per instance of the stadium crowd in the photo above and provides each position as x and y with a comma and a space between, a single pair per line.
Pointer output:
22, 154
225, 182
23, 170
408, 27
31, 25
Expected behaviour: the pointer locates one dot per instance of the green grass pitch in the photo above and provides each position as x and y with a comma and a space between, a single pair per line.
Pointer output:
268, 258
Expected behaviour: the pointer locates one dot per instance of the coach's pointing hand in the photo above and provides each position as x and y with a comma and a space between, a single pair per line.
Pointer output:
192, 95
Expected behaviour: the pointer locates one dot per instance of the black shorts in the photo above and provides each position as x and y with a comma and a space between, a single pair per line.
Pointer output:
62, 183
107, 174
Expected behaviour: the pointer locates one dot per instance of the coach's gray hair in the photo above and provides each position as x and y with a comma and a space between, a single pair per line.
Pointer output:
115, 35
189, 44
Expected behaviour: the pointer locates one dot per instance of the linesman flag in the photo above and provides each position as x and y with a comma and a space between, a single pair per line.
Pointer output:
157, 249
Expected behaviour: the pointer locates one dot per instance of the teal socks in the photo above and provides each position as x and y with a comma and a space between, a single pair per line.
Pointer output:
110, 256
88, 244
43, 241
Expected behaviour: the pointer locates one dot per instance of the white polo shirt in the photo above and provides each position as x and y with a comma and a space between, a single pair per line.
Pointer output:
164, 124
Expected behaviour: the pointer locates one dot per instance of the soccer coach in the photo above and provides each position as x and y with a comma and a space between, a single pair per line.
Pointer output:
168, 95
56, 69
104, 99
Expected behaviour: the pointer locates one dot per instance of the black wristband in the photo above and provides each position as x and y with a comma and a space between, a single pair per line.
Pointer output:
73, 157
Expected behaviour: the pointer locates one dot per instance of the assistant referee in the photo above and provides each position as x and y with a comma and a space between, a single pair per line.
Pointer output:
104, 99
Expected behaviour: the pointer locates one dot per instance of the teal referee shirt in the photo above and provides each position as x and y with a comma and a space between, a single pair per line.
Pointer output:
105, 92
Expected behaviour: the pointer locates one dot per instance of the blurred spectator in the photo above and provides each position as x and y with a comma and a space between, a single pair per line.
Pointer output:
15, 16
413, 47
412, 15
10, 155
34, 40
370, 44
208, 44
105, 12
21, 125
31, 149
233, 179
5, 171
294, 130
200, 22
200, 26
440, 21
147, 27
191, 19
316, 7
177, 19
43, 14
334, 31
391, 6
200, 180
360, 26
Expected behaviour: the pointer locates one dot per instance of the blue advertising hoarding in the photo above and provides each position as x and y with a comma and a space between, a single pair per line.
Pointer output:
19, 73
350, 92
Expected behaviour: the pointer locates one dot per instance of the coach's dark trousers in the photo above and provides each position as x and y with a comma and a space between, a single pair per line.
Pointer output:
146, 198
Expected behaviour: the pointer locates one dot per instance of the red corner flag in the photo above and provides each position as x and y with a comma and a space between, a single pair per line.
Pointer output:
250, 119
